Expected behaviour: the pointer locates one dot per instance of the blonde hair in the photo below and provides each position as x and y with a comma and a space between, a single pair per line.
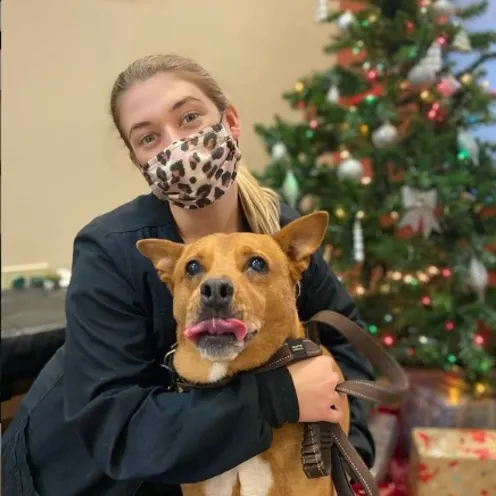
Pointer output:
260, 204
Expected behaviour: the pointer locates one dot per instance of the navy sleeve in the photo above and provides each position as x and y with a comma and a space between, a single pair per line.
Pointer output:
321, 290
133, 427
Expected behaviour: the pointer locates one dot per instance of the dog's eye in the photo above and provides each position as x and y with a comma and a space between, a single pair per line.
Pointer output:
257, 264
193, 268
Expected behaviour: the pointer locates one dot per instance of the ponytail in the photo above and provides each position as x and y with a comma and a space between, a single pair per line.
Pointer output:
260, 204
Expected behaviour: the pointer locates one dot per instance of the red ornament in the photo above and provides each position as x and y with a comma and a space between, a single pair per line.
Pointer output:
449, 325
388, 340
426, 301
300, 105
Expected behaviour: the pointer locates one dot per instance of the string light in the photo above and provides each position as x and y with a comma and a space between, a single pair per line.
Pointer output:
372, 18
370, 98
466, 78
372, 75
423, 340
364, 129
373, 329
360, 214
388, 340
451, 358
433, 271
480, 388
449, 325
366, 65
345, 154
423, 277
425, 94
410, 26
395, 215
299, 86
340, 213
442, 40
426, 301
313, 124
388, 317
360, 290
396, 276
365, 181
446, 272
479, 340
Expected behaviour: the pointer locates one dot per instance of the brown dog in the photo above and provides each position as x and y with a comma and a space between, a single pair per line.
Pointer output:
235, 306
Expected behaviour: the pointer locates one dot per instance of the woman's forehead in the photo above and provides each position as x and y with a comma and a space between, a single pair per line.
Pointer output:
157, 96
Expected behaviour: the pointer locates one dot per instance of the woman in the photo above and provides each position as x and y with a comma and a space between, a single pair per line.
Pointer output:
99, 419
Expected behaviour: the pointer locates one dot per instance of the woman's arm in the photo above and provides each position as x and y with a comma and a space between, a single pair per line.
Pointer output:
321, 290
131, 426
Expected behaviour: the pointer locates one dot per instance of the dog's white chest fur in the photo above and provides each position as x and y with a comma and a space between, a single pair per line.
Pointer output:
255, 477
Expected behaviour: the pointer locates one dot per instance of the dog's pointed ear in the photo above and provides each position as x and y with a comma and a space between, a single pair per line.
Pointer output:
163, 254
302, 238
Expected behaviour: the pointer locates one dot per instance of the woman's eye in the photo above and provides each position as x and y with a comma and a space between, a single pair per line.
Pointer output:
189, 117
257, 264
193, 268
148, 139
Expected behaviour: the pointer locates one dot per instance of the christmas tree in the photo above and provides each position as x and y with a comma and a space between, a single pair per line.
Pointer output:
386, 145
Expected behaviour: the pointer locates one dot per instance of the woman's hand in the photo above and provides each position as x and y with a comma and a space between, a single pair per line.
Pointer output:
315, 383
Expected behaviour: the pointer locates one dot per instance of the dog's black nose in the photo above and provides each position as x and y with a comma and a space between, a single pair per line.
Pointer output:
217, 292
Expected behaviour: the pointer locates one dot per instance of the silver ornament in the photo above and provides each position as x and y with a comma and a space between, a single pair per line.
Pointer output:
478, 277
346, 20
333, 94
279, 151
425, 71
444, 7
385, 136
358, 250
466, 142
322, 11
350, 168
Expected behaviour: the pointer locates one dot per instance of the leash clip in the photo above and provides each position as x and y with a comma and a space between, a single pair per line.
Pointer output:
167, 365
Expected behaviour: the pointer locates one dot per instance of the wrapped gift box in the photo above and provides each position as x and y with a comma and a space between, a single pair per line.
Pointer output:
441, 399
454, 462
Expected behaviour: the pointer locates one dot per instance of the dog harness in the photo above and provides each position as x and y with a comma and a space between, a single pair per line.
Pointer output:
325, 448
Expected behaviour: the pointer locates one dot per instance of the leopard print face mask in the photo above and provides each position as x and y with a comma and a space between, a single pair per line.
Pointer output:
196, 171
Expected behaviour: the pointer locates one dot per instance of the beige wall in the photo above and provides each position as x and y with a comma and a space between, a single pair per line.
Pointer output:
62, 161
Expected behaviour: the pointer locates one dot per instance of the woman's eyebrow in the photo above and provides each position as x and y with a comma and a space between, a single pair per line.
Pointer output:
183, 101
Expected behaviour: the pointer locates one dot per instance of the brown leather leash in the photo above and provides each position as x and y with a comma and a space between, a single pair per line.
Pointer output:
325, 448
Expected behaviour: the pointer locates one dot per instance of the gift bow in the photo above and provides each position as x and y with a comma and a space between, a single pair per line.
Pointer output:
420, 206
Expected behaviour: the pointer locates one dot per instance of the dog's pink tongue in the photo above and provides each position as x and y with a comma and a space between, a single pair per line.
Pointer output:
217, 326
